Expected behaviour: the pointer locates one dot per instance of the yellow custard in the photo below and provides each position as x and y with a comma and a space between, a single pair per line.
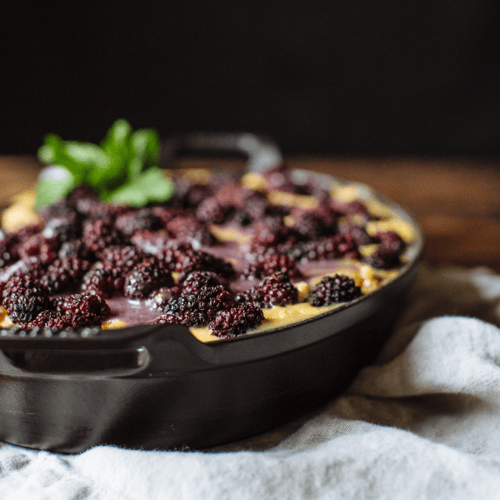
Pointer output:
276, 317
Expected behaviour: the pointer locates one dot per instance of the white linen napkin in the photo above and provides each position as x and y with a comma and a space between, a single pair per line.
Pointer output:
422, 422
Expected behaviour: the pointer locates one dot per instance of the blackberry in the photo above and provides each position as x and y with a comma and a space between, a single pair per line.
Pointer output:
200, 308
87, 203
62, 230
383, 258
256, 206
188, 227
280, 178
125, 258
37, 246
239, 218
146, 277
236, 321
139, 220
270, 264
63, 275
232, 194
170, 252
357, 233
24, 298
81, 304
327, 214
159, 298
178, 318
197, 194
102, 281
47, 319
190, 194
252, 296
61, 211
355, 207
80, 198
165, 214
99, 234
63, 320
391, 242
211, 211
334, 290
106, 211
310, 224
75, 248
277, 290
27, 232
198, 280
320, 193
153, 241
197, 260
328, 247
8, 251
32, 268
270, 233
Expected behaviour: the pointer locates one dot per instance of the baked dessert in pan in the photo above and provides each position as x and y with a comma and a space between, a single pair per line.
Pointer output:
237, 304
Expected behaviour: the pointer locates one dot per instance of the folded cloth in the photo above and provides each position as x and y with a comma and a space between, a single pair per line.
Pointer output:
422, 422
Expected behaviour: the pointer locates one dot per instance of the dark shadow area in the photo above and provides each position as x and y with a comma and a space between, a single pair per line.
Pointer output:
321, 77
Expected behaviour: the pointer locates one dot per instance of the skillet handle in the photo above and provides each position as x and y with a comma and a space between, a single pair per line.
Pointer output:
262, 152
89, 338
165, 347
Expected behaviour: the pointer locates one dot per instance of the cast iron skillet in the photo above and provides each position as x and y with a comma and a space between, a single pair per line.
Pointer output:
157, 386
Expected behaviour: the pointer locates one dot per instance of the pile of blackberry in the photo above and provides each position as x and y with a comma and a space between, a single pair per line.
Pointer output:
59, 274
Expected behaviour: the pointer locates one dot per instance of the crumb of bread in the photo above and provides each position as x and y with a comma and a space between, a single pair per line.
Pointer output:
303, 290
18, 216
255, 182
113, 324
292, 200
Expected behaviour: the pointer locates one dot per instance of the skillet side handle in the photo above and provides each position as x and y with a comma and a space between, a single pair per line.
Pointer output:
165, 347
262, 152
89, 338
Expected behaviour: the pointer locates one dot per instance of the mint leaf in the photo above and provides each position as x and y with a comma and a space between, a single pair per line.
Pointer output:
86, 153
117, 137
108, 176
123, 167
53, 145
54, 151
144, 151
138, 148
151, 186
152, 147
52, 189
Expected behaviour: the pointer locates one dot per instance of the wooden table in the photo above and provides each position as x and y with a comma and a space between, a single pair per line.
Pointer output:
457, 201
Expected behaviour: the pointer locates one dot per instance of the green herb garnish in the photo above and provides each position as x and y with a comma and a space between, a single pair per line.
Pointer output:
122, 169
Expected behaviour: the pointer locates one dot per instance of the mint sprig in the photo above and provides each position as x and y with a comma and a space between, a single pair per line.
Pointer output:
122, 169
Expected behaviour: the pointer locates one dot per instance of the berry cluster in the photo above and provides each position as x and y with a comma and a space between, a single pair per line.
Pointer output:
326, 248
161, 254
270, 263
196, 309
147, 276
388, 255
27, 302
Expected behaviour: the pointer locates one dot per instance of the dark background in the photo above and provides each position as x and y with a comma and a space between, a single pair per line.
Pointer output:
336, 77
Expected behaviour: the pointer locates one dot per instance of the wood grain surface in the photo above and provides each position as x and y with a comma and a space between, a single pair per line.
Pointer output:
456, 201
